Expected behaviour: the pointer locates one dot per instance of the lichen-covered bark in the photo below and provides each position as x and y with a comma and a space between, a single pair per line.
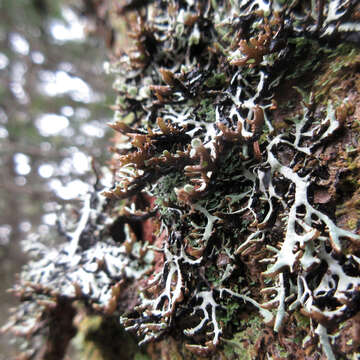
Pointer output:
231, 230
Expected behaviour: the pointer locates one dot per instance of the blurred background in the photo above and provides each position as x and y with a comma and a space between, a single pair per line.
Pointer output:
54, 104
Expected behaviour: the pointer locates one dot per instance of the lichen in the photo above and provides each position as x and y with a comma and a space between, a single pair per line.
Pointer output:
223, 229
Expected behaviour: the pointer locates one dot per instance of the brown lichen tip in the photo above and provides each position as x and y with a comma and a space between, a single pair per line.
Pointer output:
254, 50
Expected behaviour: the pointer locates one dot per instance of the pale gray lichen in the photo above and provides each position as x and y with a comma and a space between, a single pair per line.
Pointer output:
308, 232
229, 189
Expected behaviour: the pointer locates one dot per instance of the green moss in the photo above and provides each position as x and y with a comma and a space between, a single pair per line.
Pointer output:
298, 339
301, 320
230, 314
212, 274
241, 346
235, 350
307, 53
139, 356
352, 224
165, 187
127, 119
207, 110
339, 67
282, 352
347, 51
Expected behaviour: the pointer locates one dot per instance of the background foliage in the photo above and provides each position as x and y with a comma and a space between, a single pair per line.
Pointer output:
54, 104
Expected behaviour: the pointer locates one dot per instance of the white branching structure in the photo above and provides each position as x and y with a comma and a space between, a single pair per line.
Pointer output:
196, 107
310, 237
